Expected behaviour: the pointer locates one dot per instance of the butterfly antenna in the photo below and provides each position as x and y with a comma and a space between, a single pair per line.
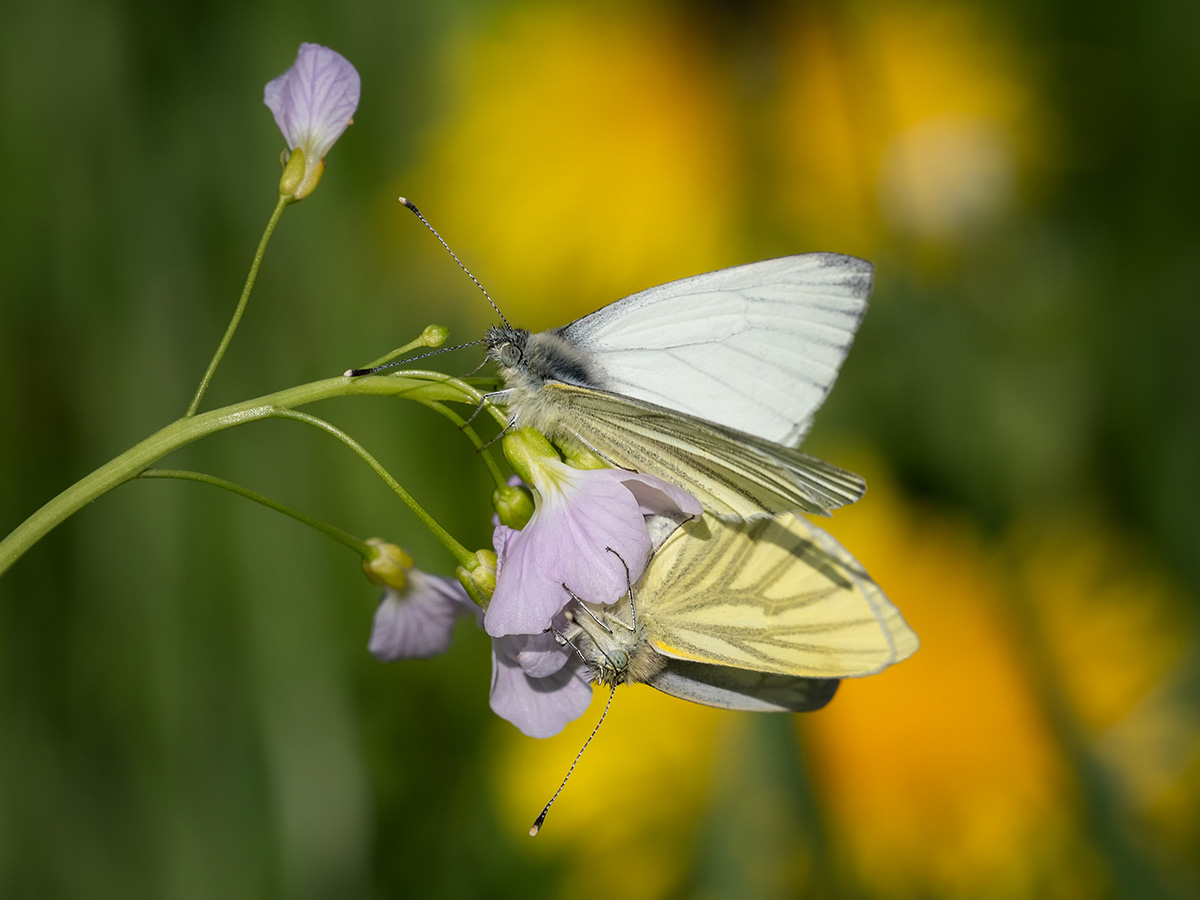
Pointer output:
355, 373
537, 824
416, 212
591, 615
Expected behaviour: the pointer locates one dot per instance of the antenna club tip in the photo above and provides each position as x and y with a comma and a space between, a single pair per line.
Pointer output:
537, 825
408, 203
354, 373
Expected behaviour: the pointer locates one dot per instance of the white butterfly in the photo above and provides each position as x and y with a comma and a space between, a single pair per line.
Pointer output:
710, 382
763, 615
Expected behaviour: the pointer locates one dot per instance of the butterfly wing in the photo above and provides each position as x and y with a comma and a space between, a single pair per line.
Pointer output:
755, 348
730, 688
730, 473
771, 595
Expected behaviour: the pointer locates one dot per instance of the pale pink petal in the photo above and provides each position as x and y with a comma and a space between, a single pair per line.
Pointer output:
657, 497
539, 655
418, 622
314, 100
539, 707
566, 542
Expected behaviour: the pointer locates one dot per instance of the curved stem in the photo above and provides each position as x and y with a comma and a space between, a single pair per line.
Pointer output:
362, 548
460, 553
477, 396
443, 409
432, 336
241, 306
420, 386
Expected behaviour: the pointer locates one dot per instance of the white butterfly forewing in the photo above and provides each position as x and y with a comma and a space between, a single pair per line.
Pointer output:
755, 347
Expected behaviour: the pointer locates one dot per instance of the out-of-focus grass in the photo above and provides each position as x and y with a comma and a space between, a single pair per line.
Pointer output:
185, 698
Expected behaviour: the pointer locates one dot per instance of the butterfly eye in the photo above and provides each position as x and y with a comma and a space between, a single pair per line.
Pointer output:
509, 355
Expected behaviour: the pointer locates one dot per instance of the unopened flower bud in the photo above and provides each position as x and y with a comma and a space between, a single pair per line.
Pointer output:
389, 566
293, 174
479, 577
527, 450
435, 335
577, 456
514, 505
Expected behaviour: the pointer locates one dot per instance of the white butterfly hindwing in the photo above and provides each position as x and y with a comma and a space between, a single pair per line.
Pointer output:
730, 473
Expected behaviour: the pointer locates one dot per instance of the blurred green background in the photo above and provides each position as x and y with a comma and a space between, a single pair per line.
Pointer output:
187, 708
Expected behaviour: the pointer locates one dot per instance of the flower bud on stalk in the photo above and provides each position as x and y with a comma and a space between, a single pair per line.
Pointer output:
514, 505
389, 566
479, 579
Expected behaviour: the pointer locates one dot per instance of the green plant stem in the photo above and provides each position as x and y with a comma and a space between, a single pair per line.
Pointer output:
477, 396
362, 548
422, 341
470, 432
241, 306
460, 553
422, 386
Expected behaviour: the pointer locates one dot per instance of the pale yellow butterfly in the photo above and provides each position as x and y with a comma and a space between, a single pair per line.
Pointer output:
765, 614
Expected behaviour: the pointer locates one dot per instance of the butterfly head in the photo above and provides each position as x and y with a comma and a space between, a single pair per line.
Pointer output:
614, 651
506, 345
607, 665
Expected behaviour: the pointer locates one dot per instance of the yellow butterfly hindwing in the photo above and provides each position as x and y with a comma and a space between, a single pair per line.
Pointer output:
774, 595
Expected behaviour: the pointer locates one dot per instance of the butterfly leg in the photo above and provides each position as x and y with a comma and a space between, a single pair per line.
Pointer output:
495, 398
565, 641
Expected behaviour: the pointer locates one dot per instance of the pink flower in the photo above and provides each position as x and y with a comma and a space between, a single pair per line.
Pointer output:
417, 621
313, 103
579, 515
537, 684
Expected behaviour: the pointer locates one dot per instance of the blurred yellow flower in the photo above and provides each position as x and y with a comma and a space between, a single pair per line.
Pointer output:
1111, 623
625, 822
588, 152
587, 155
941, 775
944, 775
1117, 633
915, 118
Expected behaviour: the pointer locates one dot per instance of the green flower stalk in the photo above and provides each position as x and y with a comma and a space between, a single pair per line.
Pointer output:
423, 387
